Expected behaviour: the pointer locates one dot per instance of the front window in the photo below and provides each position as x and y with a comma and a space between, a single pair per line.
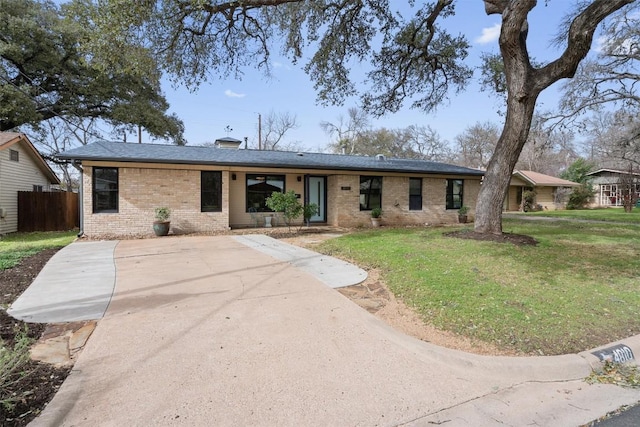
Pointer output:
210, 191
105, 190
454, 193
14, 155
259, 188
415, 194
370, 192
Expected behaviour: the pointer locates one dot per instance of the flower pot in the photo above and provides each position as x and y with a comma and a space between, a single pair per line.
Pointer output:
375, 222
161, 228
267, 222
462, 219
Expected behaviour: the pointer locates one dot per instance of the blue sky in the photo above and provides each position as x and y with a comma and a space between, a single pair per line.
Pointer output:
237, 103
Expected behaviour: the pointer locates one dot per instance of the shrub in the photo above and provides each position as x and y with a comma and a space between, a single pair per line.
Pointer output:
529, 201
13, 362
309, 210
580, 197
287, 203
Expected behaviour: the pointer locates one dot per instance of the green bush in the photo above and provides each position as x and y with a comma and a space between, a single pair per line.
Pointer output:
287, 203
529, 201
580, 197
309, 210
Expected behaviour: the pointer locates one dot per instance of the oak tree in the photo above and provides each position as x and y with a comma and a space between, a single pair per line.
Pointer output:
45, 74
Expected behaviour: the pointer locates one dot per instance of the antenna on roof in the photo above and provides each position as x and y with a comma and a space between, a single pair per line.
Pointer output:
228, 130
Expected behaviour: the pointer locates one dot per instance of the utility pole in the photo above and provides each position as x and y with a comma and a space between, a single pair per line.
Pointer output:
139, 134
259, 131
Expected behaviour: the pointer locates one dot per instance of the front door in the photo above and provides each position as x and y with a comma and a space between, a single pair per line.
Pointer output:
317, 193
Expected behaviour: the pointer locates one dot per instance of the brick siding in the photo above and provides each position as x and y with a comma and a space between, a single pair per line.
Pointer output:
141, 190
344, 202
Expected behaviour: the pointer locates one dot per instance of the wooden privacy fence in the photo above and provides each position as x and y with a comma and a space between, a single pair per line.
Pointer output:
47, 211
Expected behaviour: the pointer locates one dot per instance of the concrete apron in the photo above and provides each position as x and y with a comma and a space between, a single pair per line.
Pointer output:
205, 331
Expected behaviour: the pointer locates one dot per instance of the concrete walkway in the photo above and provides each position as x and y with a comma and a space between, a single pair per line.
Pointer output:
331, 271
76, 284
207, 331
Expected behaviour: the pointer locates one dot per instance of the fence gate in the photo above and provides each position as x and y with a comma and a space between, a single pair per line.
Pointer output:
47, 211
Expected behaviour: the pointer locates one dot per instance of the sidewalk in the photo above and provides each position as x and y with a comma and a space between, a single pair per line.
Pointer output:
76, 284
207, 331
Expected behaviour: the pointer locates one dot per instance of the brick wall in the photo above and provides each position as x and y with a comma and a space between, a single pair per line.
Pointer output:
141, 190
344, 202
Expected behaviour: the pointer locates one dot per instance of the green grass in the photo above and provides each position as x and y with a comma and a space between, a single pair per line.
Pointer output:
16, 246
606, 214
574, 291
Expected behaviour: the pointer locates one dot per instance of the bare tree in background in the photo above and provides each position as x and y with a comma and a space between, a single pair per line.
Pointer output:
429, 145
629, 187
613, 138
58, 134
476, 144
274, 128
347, 130
548, 150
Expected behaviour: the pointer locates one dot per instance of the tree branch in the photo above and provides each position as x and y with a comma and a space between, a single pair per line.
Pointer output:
579, 40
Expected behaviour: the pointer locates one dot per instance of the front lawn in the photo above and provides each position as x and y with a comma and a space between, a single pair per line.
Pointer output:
577, 289
16, 246
602, 214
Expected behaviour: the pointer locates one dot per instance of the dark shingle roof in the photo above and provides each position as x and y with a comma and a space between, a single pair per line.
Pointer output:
154, 153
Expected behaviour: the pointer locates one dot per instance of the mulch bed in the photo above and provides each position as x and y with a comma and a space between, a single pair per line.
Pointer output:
38, 382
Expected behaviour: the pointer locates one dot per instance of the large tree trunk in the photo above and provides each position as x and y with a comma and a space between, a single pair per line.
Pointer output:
521, 100
524, 84
496, 180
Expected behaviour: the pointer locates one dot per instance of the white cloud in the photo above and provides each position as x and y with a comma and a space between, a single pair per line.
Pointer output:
489, 35
232, 94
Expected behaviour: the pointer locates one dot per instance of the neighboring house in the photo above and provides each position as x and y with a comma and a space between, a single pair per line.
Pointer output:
548, 189
605, 184
22, 168
213, 189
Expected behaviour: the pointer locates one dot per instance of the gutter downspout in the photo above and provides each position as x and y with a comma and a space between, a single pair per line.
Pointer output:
81, 197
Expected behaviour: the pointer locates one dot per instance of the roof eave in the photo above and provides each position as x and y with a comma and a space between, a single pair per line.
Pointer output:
265, 165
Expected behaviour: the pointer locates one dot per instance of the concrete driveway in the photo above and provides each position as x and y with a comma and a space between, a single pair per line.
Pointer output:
207, 331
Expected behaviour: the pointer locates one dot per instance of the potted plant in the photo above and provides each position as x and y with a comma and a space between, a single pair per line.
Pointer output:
162, 223
376, 213
462, 214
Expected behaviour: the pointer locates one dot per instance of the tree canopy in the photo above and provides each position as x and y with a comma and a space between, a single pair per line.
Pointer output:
412, 59
45, 73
